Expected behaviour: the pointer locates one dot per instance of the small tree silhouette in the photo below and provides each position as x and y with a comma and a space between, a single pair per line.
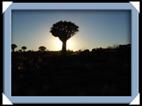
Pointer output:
64, 30
24, 48
42, 48
13, 46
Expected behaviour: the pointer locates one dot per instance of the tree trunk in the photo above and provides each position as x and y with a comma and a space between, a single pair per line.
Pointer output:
64, 47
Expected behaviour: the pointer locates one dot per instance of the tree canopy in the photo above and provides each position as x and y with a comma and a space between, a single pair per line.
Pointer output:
13, 46
23, 48
42, 48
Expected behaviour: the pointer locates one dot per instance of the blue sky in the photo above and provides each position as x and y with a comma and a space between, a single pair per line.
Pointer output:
96, 28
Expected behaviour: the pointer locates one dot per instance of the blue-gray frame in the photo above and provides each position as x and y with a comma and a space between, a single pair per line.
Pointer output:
71, 6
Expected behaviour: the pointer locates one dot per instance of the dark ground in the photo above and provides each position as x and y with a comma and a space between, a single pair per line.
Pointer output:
101, 72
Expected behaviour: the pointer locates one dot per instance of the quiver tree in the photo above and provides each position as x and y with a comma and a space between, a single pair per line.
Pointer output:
64, 30
24, 48
13, 46
42, 48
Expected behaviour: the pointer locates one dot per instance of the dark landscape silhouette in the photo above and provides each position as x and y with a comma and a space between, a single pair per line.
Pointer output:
100, 72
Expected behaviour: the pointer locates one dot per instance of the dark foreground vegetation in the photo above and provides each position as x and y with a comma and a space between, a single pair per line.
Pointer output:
100, 72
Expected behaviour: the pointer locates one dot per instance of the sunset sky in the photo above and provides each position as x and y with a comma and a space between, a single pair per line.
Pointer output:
31, 28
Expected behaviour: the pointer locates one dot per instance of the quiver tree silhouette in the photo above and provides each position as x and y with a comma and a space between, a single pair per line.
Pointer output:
42, 48
13, 46
24, 48
64, 30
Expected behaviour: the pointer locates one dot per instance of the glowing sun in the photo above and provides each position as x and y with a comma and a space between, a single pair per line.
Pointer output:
55, 44
58, 44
